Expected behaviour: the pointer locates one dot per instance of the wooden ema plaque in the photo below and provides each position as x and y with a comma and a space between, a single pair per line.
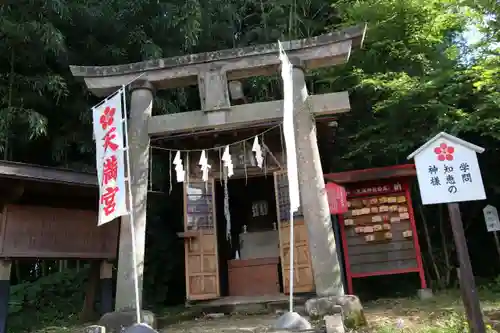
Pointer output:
378, 232
199, 206
45, 232
283, 198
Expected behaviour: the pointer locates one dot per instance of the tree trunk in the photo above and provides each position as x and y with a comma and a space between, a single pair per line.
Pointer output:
6, 149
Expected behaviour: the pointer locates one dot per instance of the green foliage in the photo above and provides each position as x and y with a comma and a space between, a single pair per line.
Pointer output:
408, 74
411, 75
49, 301
493, 286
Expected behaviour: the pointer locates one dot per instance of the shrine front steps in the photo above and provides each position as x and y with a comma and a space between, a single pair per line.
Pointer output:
232, 305
225, 308
251, 305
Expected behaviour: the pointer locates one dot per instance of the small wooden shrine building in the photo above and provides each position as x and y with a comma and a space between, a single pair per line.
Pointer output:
227, 247
50, 213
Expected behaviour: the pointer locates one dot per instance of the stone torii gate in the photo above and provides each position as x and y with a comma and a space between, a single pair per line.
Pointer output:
212, 71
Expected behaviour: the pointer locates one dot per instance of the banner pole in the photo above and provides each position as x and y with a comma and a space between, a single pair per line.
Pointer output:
131, 209
289, 136
290, 283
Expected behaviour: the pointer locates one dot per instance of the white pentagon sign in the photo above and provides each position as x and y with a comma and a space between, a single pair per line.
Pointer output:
448, 170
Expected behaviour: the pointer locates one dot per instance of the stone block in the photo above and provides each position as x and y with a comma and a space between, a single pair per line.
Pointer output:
94, 329
292, 321
334, 324
215, 315
348, 305
424, 294
119, 321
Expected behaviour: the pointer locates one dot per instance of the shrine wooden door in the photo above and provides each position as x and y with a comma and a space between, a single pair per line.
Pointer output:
302, 268
200, 241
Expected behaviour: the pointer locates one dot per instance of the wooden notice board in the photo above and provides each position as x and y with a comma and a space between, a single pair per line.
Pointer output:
378, 232
45, 232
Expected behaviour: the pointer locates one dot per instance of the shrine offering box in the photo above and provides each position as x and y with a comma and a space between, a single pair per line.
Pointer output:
253, 277
378, 231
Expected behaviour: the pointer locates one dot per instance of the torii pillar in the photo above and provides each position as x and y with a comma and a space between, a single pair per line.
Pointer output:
212, 71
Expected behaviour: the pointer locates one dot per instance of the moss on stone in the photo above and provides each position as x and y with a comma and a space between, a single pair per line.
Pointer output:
355, 319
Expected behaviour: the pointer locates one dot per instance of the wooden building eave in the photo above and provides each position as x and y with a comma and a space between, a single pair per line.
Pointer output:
23, 171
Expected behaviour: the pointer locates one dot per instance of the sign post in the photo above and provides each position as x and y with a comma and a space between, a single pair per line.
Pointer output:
337, 198
337, 202
492, 223
448, 172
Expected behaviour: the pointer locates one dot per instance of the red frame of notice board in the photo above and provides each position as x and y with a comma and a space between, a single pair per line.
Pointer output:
369, 182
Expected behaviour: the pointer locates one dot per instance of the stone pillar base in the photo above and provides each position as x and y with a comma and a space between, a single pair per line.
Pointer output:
119, 321
292, 321
424, 294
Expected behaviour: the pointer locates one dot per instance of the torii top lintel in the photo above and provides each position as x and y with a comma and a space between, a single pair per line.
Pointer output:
320, 51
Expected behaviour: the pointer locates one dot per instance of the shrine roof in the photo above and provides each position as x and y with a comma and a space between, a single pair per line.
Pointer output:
363, 175
239, 63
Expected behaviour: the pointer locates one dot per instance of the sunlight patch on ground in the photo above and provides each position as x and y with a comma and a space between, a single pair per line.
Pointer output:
443, 313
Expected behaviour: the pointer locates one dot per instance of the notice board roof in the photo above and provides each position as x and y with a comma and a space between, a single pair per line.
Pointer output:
354, 176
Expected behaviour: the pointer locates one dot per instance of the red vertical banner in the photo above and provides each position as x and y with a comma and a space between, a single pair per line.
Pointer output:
110, 160
337, 198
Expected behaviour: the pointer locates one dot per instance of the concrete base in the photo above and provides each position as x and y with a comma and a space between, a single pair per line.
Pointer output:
292, 321
348, 305
424, 294
140, 328
117, 322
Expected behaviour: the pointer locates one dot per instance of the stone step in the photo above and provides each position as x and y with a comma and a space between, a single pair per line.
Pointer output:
252, 305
